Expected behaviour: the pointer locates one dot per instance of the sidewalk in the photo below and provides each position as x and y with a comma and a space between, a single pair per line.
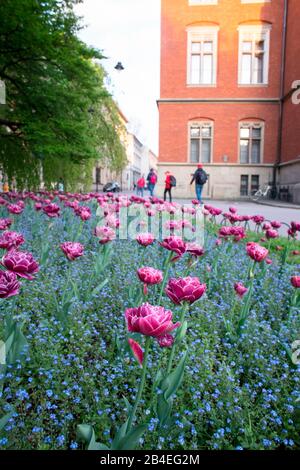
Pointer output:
283, 205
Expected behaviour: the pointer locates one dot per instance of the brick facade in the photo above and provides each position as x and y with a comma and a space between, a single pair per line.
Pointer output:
224, 103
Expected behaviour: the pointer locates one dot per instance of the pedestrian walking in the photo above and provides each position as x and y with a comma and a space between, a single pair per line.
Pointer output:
200, 177
170, 182
140, 185
152, 180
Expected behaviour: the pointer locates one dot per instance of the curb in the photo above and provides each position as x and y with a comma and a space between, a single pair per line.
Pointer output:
282, 206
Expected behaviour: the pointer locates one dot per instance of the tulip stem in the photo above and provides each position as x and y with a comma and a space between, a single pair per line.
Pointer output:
171, 357
166, 271
141, 386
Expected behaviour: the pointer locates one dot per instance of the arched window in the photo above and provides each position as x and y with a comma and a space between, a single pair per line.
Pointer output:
254, 45
251, 137
201, 141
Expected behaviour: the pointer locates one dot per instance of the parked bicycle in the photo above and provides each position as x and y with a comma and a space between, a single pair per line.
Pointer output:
264, 193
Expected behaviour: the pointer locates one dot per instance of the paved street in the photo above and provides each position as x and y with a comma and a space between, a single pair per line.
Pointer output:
283, 214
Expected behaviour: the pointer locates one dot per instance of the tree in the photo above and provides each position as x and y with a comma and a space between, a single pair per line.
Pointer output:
58, 114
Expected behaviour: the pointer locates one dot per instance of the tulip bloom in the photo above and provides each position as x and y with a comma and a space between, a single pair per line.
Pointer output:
166, 341
21, 263
145, 239
257, 252
10, 240
174, 243
136, 350
5, 224
150, 320
149, 275
185, 289
105, 234
272, 233
276, 224
15, 209
194, 249
9, 284
51, 210
72, 250
240, 289
295, 281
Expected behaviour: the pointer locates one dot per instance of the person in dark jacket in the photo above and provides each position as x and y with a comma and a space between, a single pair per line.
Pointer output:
168, 186
200, 178
152, 179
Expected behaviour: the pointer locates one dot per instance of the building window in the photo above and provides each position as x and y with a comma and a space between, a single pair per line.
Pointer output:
254, 43
201, 135
251, 140
202, 55
254, 183
203, 2
244, 185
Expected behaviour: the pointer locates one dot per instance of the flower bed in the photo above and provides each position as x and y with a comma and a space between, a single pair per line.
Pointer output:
90, 358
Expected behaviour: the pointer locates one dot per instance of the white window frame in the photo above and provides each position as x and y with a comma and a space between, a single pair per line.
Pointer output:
250, 33
199, 33
251, 125
203, 2
201, 122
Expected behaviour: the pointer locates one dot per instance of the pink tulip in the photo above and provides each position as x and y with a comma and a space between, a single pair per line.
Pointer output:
166, 341
258, 219
272, 233
150, 320
52, 210
21, 263
185, 289
145, 239
72, 250
149, 275
9, 284
10, 240
256, 252
15, 209
295, 226
276, 224
174, 243
240, 289
233, 210
194, 249
84, 213
5, 224
105, 234
267, 226
295, 281
136, 350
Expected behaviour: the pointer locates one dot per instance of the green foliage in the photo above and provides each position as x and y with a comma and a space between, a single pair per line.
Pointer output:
58, 118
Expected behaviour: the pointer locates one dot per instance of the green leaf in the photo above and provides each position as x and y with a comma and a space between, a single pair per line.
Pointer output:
163, 408
119, 436
175, 378
86, 434
16, 343
4, 420
99, 287
128, 405
181, 332
130, 440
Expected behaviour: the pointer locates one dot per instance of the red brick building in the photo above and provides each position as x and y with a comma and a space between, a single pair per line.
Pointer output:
225, 95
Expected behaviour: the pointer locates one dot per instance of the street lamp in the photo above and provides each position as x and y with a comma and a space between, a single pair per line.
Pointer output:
119, 67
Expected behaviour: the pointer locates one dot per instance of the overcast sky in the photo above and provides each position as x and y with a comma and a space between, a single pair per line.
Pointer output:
128, 31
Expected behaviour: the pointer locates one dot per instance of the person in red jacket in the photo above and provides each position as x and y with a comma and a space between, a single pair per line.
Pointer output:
140, 185
168, 186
